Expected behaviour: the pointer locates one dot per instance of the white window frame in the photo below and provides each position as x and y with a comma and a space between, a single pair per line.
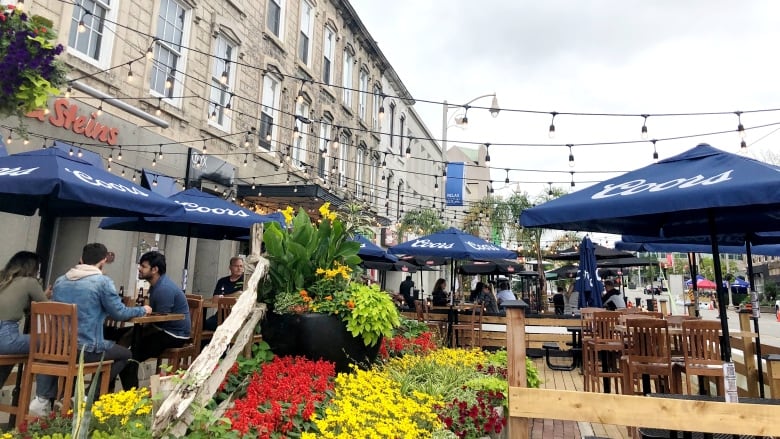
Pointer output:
322, 162
280, 4
306, 31
376, 123
363, 94
328, 54
301, 139
360, 161
346, 77
342, 164
269, 108
172, 95
219, 94
98, 30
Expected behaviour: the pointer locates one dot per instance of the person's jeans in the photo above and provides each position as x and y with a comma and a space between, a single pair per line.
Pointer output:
12, 341
46, 385
153, 342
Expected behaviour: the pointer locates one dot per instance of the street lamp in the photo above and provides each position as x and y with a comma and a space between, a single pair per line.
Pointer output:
494, 110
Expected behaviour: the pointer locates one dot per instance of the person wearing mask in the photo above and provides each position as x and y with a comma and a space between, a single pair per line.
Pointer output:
164, 297
95, 296
230, 284
405, 289
19, 285
440, 295
612, 299
504, 293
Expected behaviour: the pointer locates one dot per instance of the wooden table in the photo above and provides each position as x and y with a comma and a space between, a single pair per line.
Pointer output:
138, 322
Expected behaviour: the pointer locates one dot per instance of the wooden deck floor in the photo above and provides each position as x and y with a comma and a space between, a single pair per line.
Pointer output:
553, 429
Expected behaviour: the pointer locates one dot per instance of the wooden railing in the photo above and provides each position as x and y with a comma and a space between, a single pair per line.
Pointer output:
628, 410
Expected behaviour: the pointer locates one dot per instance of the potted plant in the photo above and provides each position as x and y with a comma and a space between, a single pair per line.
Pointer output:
316, 309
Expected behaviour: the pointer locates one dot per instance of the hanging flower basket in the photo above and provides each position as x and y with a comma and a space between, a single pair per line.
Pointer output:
29, 69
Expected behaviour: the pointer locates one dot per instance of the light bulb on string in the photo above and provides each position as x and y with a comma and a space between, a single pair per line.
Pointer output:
150, 51
444, 174
409, 148
100, 109
10, 138
487, 154
119, 154
123, 172
384, 161
204, 146
130, 71
158, 110
134, 176
26, 141
108, 166
253, 183
506, 180
571, 156
160, 155
68, 92
435, 182
551, 130
655, 152
110, 157
644, 126
246, 160
743, 144
80, 154
572, 178
154, 182
740, 127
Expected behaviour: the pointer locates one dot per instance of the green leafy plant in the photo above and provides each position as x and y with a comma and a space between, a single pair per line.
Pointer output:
373, 315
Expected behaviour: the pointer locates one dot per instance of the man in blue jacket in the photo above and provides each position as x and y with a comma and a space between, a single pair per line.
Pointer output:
96, 298
164, 297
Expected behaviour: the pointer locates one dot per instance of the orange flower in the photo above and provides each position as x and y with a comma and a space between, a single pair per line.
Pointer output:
304, 293
350, 304
328, 297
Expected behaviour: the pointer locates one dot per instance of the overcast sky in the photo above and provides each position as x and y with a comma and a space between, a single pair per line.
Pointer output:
627, 56
586, 56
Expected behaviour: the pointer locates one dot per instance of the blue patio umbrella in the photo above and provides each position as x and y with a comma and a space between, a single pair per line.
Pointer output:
671, 247
701, 190
54, 183
453, 243
203, 216
588, 283
371, 252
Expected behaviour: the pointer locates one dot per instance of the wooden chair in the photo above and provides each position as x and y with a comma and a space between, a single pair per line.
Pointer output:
54, 351
602, 351
648, 356
180, 358
701, 353
14, 409
437, 327
469, 323
675, 322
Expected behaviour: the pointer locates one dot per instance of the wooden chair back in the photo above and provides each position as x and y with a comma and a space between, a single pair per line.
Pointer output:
701, 350
224, 306
180, 358
471, 323
586, 320
604, 325
652, 314
648, 353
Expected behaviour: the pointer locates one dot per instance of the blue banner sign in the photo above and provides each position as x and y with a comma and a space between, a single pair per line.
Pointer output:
455, 185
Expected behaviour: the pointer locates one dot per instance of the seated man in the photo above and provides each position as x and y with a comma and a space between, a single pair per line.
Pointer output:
95, 296
164, 297
230, 284
612, 299
504, 293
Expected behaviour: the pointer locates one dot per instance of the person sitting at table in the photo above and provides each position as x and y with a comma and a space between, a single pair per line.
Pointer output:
559, 301
19, 285
95, 297
230, 284
504, 293
405, 289
476, 292
439, 295
164, 297
487, 299
612, 299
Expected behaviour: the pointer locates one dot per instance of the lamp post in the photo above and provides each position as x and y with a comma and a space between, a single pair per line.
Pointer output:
445, 108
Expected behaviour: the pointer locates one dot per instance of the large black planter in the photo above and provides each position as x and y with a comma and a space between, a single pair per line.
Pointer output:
317, 336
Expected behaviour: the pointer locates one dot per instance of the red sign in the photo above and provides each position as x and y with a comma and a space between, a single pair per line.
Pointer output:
67, 117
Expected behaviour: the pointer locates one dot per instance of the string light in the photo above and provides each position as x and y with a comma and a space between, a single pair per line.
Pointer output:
506, 180
551, 131
253, 183
299, 98
435, 182
150, 50
572, 178
571, 156
224, 78
169, 80
381, 113
487, 154
108, 167
119, 154
655, 152
100, 109
110, 157
130, 71
80, 154
384, 161
464, 121
740, 127
409, 147
134, 176
154, 182
549, 189
68, 92
160, 155
123, 172
644, 127
204, 146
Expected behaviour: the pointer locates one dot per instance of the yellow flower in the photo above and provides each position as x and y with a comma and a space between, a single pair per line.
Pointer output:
288, 215
325, 209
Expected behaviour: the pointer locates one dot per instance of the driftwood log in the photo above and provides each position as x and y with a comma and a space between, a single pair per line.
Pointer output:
201, 381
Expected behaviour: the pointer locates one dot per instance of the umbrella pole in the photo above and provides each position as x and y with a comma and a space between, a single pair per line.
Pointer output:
43, 246
725, 342
755, 316
184, 271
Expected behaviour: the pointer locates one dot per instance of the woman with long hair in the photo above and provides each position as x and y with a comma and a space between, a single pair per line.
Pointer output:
440, 293
19, 286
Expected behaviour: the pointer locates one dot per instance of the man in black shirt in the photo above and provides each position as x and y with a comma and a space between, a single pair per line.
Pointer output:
233, 283
406, 290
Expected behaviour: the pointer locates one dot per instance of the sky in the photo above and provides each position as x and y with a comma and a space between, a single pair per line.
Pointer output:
625, 57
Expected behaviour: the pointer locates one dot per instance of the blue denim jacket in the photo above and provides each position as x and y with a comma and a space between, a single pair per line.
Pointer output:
95, 298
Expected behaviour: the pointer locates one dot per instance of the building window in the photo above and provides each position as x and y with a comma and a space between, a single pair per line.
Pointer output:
95, 43
276, 17
325, 129
346, 76
300, 140
304, 39
372, 189
172, 31
223, 75
359, 164
392, 125
363, 94
343, 151
401, 123
268, 112
377, 104
328, 52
